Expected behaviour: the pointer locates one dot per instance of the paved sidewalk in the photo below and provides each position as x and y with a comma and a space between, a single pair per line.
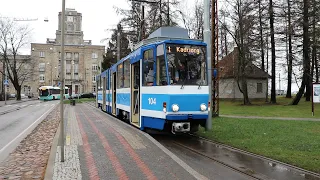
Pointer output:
271, 118
101, 147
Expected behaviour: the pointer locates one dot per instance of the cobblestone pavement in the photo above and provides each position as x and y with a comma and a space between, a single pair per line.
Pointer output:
70, 168
29, 159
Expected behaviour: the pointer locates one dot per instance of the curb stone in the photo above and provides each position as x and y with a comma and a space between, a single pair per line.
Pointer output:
52, 156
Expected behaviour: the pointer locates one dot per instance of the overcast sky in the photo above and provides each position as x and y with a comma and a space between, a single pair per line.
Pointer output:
97, 16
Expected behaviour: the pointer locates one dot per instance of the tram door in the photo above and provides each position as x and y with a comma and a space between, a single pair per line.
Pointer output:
104, 93
114, 86
135, 94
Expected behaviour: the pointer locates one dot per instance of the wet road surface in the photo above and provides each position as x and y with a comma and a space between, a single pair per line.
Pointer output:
17, 106
15, 125
214, 160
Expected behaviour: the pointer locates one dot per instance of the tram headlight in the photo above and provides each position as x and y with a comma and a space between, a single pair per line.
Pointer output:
203, 107
175, 108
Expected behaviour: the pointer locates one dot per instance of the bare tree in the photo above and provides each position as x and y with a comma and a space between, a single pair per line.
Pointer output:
306, 80
273, 54
12, 38
193, 22
243, 19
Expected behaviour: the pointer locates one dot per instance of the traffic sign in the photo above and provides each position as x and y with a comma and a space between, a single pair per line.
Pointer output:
6, 82
59, 83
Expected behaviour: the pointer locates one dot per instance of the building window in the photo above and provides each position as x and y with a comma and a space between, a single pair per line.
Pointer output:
41, 78
68, 68
76, 56
70, 27
259, 87
76, 68
68, 55
41, 54
126, 74
148, 74
42, 67
70, 18
94, 67
94, 55
94, 78
120, 76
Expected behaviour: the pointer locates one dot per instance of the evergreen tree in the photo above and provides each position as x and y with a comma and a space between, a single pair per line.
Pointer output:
110, 57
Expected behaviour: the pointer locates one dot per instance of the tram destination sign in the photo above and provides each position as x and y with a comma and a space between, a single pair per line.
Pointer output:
183, 49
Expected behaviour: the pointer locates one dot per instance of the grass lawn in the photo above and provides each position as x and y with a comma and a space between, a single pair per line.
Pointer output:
293, 142
67, 101
261, 108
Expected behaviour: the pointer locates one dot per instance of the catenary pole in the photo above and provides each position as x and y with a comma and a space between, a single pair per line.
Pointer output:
207, 40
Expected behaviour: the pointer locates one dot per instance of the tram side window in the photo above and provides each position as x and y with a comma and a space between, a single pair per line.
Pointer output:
120, 76
148, 70
161, 67
107, 82
126, 73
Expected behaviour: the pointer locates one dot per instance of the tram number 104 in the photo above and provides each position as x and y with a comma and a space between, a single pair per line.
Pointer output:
152, 101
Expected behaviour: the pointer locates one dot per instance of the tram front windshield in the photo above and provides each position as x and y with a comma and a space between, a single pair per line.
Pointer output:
186, 64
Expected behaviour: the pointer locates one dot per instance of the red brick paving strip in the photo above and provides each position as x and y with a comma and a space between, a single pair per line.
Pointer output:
93, 171
114, 160
143, 167
29, 159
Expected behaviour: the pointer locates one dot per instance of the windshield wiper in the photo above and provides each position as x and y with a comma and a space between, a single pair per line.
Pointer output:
183, 83
200, 84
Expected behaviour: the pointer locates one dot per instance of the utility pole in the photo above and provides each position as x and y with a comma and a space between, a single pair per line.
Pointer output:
207, 40
62, 81
141, 34
160, 4
5, 85
214, 59
118, 43
142, 24
168, 15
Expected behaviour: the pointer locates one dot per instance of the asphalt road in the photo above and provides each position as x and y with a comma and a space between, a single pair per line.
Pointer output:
16, 125
12, 107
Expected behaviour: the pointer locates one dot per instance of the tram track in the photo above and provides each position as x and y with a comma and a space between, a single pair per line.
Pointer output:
174, 144
239, 161
246, 173
308, 174
267, 168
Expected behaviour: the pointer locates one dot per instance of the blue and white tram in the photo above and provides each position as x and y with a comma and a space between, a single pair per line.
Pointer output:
162, 85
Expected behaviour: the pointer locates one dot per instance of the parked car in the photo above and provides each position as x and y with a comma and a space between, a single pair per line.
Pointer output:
23, 96
87, 95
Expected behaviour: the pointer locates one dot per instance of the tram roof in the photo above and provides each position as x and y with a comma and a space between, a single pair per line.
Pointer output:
175, 35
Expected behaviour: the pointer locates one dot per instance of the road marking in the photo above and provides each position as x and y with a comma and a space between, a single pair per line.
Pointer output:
68, 140
12, 141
